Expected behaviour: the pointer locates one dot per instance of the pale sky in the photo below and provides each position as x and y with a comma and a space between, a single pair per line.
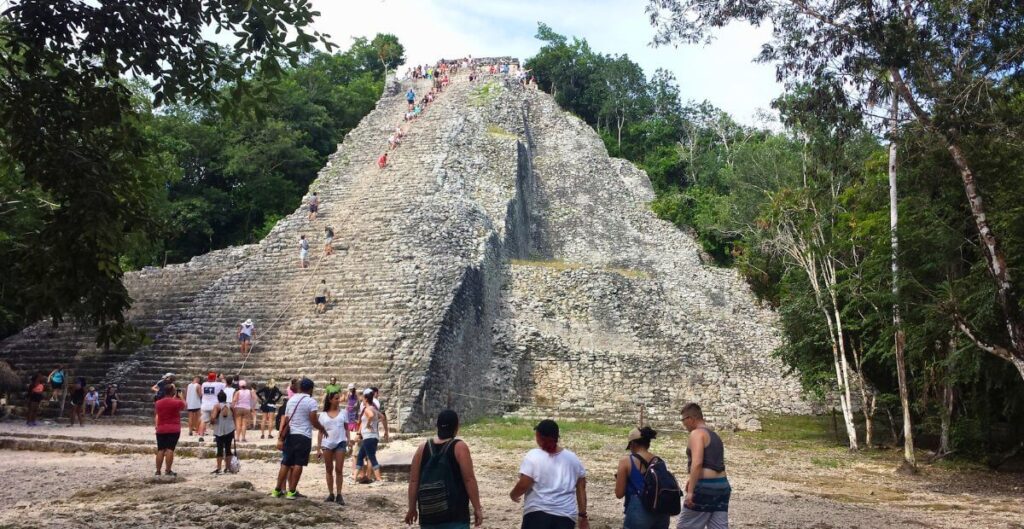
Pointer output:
723, 73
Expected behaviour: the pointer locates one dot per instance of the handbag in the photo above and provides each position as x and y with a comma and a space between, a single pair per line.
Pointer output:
288, 427
235, 464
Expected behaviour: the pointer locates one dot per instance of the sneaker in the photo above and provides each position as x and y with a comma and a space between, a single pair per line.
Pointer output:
215, 471
329, 499
291, 495
339, 500
276, 493
171, 473
262, 436
200, 439
157, 473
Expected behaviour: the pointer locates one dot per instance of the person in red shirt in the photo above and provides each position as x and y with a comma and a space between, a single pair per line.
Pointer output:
167, 417
382, 162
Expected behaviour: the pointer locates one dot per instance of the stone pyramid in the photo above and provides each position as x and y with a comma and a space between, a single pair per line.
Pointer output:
502, 262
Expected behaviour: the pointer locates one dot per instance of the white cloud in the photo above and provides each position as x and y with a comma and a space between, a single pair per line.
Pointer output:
722, 72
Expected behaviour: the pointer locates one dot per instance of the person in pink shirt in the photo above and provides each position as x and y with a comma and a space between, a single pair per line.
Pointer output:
243, 402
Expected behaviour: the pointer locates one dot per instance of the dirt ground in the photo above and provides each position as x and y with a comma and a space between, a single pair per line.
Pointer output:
777, 483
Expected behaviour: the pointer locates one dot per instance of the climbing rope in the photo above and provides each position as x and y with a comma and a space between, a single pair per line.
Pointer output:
256, 339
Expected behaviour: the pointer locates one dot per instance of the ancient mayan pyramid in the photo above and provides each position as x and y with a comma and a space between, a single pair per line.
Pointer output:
502, 262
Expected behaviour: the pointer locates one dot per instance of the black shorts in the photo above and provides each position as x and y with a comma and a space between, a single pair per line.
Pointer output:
224, 444
296, 450
35, 397
543, 520
56, 385
320, 300
313, 208
268, 408
167, 441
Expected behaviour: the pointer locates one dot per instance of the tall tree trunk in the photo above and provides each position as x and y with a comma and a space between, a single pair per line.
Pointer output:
839, 350
948, 404
620, 121
1006, 294
867, 397
900, 338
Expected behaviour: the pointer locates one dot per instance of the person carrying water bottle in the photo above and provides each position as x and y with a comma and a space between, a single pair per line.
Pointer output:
442, 483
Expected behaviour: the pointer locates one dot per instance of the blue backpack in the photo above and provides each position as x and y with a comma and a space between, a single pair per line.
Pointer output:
661, 493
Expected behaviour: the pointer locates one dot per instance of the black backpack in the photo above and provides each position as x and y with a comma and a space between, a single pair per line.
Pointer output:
442, 495
661, 493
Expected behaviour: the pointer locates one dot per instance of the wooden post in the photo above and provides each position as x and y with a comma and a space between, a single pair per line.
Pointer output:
398, 408
642, 419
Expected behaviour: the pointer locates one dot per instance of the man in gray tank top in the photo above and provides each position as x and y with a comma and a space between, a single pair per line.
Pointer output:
706, 504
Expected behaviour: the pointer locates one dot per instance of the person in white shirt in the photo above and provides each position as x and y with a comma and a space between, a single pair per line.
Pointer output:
245, 334
229, 389
554, 483
210, 390
295, 439
331, 447
193, 403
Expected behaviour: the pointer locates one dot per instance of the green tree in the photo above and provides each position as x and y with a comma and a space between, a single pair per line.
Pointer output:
68, 127
946, 60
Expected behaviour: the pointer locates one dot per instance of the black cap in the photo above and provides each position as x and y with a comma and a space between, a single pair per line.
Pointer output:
447, 422
306, 384
547, 428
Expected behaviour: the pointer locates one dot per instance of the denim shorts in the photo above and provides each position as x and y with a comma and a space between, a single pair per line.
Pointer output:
637, 517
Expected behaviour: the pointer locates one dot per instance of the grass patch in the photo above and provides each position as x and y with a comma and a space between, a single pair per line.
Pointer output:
514, 430
484, 94
825, 462
557, 264
500, 133
799, 429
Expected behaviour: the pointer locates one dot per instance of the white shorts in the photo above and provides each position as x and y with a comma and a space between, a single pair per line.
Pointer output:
205, 415
303, 254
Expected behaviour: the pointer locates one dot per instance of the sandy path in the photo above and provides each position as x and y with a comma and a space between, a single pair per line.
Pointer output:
815, 487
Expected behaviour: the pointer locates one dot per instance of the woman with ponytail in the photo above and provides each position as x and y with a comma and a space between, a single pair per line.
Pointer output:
629, 481
554, 483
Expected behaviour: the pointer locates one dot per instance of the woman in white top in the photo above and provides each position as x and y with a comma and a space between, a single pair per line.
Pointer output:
332, 448
369, 431
554, 482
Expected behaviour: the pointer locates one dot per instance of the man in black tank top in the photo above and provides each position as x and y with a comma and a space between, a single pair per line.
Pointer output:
706, 504
442, 483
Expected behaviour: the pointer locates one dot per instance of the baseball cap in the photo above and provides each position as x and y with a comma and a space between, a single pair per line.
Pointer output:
351, 386
547, 428
634, 434
367, 391
211, 376
305, 384
447, 419
168, 375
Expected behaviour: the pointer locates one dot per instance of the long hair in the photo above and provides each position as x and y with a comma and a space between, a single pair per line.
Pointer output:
327, 401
